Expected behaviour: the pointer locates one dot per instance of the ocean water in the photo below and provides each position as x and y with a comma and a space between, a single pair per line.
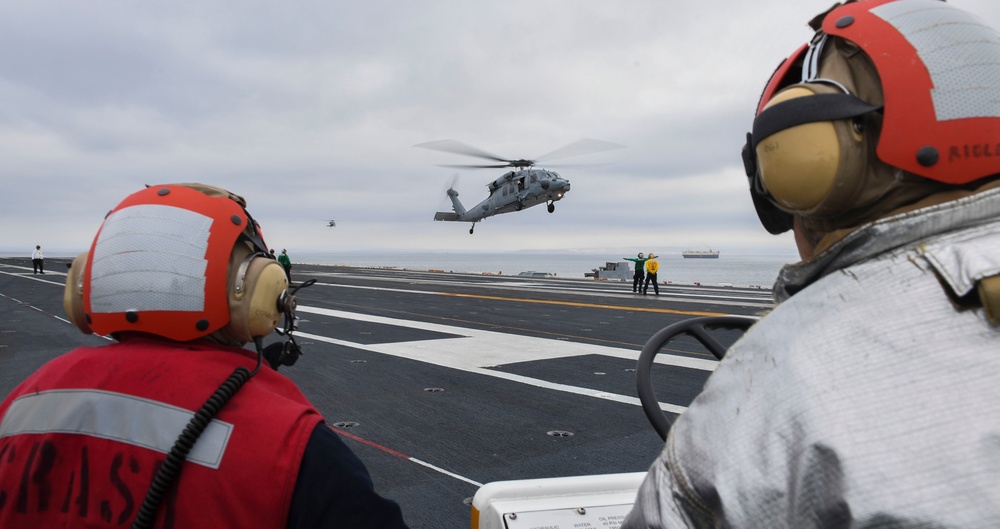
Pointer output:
730, 270
738, 270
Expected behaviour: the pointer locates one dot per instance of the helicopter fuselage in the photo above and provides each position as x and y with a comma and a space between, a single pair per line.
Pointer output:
522, 189
513, 191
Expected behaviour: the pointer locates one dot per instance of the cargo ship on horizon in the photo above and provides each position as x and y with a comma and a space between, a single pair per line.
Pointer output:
700, 254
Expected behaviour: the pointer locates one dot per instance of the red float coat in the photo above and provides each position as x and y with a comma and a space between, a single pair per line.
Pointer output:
81, 439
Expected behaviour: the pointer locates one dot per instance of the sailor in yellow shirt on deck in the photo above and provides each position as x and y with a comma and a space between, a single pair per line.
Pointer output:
652, 266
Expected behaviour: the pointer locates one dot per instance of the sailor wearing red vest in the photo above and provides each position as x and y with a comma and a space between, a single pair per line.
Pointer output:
179, 275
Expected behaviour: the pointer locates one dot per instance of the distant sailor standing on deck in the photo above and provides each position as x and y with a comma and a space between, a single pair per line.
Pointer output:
869, 396
176, 424
37, 261
640, 267
652, 267
286, 263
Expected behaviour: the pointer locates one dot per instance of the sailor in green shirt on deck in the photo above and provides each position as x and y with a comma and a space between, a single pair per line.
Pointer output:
287, 263
640, 267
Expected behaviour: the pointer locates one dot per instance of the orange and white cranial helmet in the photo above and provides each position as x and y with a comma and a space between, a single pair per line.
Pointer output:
913, 85
181, 261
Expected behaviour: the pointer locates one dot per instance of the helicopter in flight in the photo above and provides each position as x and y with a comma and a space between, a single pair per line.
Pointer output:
522, 187
331, 224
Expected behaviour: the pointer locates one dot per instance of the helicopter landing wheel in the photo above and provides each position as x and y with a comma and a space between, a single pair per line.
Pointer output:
519, 206
473, 228
552, 207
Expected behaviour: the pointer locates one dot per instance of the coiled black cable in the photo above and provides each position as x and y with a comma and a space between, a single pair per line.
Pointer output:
171, 467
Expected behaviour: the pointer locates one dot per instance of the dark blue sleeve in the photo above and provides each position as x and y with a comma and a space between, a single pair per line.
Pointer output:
334, 489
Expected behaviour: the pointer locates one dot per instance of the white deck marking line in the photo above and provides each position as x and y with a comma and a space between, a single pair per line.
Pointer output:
445, 472
475, 350
401, 455
539, 383
497, 347
756, 301
34, 277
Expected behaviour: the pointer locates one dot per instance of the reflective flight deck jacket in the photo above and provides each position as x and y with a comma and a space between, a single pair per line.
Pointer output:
867, 398
81, 439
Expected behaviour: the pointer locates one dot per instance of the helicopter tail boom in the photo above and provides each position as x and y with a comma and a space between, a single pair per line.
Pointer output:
456, 204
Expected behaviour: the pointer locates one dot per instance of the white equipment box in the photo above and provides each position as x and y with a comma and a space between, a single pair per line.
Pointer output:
578, 502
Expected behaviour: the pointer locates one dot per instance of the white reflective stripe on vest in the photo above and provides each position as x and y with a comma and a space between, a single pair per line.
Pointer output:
116, 416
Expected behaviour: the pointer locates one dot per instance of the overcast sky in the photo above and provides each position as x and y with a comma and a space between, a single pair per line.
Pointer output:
311, 109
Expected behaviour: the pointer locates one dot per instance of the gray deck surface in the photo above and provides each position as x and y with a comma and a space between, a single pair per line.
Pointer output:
453, 380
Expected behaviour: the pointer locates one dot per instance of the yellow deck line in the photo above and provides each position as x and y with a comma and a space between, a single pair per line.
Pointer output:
588, 305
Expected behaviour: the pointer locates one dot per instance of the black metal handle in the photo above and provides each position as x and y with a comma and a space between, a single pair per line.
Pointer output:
697, 327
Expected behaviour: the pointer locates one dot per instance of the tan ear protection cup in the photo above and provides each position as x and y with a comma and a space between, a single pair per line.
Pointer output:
266, 281
798, 165
73, 294
255, 285
815, 168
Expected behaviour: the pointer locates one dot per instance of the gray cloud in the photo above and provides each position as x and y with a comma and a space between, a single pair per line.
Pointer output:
310, 110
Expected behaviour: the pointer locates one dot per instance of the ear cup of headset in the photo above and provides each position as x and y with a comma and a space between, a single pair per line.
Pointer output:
814, 168
256, 284
798, 165
265, 283
73, 294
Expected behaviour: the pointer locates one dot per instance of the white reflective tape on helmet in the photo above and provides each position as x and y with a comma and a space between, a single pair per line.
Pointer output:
939, 33
150, 257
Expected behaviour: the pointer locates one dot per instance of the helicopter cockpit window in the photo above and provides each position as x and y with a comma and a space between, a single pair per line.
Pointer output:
534, 178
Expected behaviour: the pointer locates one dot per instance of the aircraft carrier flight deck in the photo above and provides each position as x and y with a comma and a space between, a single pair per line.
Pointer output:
443, 382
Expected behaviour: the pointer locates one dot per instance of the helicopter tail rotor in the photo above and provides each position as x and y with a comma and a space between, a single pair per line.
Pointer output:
456, 204
445, 191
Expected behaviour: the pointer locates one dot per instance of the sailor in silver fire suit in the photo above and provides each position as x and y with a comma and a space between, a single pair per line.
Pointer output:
870, 396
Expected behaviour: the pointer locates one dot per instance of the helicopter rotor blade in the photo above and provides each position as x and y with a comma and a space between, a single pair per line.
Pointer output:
579, 148
567, 165
455, 147
476, 166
